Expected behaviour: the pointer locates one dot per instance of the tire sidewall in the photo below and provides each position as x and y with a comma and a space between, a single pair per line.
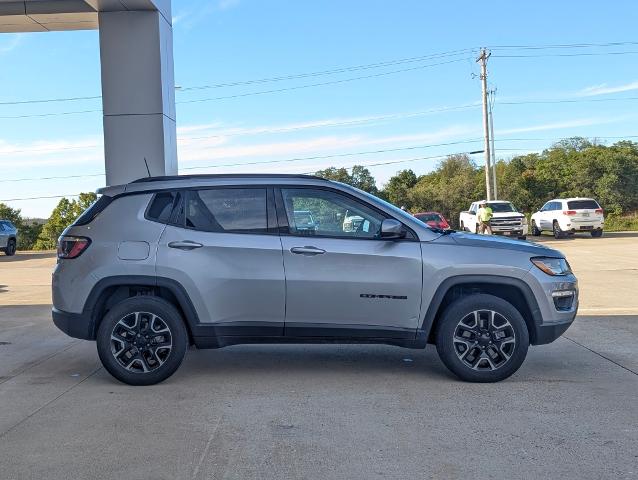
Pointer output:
11, 248
458, 310
168, 313
557, 231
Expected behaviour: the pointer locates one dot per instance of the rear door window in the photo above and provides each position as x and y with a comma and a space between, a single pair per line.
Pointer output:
582, 205
230, 210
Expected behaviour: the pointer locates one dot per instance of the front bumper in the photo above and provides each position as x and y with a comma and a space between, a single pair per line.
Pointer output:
548, 332
76, 325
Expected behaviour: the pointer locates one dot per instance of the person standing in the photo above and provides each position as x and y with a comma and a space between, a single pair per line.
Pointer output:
484, 215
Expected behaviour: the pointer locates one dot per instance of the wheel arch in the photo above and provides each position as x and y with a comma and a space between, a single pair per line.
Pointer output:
511, 289
111, 290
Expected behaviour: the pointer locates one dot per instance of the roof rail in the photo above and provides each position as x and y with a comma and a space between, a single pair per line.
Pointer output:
169, 178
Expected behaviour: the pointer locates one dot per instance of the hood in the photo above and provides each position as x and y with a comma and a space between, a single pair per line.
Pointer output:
493, 241
507, 214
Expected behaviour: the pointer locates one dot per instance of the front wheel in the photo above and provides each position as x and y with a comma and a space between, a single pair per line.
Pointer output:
142, 340
482, 338
10, 249
535, 230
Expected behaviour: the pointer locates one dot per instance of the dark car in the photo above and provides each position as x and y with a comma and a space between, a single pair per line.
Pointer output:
433, 219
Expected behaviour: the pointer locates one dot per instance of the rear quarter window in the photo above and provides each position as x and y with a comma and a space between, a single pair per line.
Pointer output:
582, 205
93, 211
161, 206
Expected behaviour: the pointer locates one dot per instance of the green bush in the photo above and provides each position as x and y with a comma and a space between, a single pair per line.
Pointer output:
624, 223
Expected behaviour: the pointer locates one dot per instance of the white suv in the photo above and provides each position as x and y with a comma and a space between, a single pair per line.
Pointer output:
564, 216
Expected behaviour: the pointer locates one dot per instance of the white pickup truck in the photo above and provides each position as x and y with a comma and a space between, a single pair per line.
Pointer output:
507, 220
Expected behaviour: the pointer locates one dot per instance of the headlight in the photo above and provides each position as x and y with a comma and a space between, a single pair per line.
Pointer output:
525, 221
552, 266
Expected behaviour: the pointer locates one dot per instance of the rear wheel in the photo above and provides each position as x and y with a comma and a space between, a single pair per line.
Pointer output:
482, 338
142, 340
11, 248
535, 230
597, 233
558, 233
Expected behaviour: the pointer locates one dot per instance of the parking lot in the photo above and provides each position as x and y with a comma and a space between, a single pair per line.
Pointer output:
326, 411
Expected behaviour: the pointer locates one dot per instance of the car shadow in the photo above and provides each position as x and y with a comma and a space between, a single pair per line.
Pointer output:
24, 256
548, 237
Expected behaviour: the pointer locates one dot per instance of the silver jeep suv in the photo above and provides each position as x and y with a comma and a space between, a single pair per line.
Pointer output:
216, 260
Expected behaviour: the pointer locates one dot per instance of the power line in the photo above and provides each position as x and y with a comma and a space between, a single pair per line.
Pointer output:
354, 68
50, 100
39, 198
323, 157
262, 92
579, 100
583, 54
278, 130
320, 84
35, 115
562, 45
270, 79
331, 72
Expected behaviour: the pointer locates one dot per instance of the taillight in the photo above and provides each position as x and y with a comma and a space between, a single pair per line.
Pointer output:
72, 247
599, 210
569, 212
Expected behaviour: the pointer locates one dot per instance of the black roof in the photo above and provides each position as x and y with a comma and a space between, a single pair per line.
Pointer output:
169, 178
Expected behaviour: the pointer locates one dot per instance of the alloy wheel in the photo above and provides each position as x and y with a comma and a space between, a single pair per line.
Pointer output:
141, 342
484, 340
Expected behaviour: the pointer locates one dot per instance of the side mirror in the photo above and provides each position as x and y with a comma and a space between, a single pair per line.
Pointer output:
392, 229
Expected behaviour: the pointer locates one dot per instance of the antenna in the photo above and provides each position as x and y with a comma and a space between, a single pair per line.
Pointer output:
147, 169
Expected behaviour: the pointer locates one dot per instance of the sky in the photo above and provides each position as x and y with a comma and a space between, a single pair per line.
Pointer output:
418, 100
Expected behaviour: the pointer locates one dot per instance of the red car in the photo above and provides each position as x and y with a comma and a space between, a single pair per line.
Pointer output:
433, 219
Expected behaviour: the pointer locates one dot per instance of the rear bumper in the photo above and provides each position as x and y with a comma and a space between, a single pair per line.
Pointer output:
76, 325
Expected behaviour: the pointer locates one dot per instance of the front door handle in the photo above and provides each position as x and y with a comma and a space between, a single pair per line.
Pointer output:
185, 245
307, 250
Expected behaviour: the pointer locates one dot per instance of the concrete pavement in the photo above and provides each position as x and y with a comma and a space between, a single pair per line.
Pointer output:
326, 411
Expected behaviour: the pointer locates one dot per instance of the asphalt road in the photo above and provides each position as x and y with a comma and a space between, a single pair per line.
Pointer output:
328, 412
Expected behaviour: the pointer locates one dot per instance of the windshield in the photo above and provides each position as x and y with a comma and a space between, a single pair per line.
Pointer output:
428, 217
502, 207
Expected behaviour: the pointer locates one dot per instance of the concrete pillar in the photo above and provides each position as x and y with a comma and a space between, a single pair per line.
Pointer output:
138, 95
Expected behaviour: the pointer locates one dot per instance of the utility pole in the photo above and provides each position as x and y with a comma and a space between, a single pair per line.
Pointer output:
486, 129
493, 150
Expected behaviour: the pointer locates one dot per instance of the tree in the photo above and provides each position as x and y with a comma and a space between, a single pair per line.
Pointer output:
11, 214
360, 177
63, 215
398, 188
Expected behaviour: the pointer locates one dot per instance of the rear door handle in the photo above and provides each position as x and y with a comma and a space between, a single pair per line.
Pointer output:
307, 251
185, 245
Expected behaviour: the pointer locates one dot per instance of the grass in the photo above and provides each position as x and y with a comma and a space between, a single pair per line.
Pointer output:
624, 223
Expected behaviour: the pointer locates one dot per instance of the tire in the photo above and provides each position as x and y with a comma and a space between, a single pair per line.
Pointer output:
535, 230
597, 233
472, 364
11, 248
462, 227
158, 357
522, 237
558, 233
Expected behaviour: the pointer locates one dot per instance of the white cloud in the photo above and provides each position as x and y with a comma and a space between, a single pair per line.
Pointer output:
604, 89
582, 122
227, 4
12, 43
